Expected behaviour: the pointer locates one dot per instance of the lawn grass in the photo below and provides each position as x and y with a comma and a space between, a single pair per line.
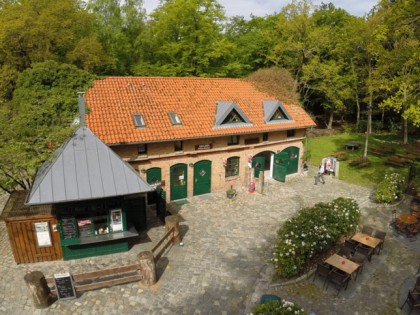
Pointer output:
321, 147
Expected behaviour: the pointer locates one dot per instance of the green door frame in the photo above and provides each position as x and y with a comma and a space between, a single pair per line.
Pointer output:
258, 163
281, 162
153, 176
293, 165
179, 181
202, 177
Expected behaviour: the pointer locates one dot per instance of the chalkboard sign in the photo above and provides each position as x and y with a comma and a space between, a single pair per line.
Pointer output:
64, 286
69, 228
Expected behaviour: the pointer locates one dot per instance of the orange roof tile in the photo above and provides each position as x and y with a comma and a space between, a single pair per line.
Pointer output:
113, 100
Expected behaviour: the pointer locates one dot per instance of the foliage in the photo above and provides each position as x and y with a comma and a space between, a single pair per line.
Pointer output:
278, 308
312, 231
277, 82
35, 31
120, 26
37, 119
390, 188
186, 39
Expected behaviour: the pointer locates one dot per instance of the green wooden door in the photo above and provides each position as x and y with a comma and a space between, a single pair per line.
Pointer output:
153, 177
293, 165
179, 177
258, 163
202, 177
281, 162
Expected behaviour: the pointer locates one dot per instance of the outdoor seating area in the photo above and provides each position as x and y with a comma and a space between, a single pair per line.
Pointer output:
413, 298
350, 259
406, 224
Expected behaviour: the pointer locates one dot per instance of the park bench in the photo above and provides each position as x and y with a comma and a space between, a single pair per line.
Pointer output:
382, 150
359, 162
398, 161
340, 156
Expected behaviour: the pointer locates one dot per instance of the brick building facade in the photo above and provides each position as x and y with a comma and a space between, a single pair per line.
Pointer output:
197, 135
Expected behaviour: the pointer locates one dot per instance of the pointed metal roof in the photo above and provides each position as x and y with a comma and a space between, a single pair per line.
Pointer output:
84, 168
224, 109
270, 107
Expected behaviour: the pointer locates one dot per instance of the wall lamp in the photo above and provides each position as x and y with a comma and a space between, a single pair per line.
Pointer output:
143, 171
191, 165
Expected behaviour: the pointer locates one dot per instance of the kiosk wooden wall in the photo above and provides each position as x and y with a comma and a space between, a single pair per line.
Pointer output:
24, 243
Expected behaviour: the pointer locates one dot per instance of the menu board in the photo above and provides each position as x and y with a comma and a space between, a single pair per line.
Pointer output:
69, 228
85, 227
42, 232
64, 286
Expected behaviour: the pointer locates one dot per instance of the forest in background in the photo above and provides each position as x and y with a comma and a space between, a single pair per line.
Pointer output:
337, 66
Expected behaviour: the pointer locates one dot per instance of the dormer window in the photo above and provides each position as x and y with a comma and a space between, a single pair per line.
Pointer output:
278, 115
174, 117
229, 114
233, 118
274, 112
139, 121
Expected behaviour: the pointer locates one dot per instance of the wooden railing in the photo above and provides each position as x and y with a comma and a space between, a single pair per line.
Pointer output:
102, 278
168, 238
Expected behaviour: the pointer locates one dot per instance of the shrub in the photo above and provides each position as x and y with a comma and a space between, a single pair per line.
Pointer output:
278, 308
390, 188
312, 231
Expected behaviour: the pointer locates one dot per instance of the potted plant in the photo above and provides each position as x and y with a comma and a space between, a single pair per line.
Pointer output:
231, 193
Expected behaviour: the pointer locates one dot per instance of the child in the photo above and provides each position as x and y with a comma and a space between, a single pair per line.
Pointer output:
320, 175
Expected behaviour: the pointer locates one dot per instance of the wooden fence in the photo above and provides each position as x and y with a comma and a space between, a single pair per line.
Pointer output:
119, 275
101, 279
143, 271
166, 241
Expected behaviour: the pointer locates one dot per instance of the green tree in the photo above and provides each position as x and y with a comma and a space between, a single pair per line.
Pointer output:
185, 39
252, 42
37, 119
399, 61
39, 30
120, 26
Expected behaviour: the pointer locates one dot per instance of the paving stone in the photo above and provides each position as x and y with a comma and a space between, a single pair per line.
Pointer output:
222, 268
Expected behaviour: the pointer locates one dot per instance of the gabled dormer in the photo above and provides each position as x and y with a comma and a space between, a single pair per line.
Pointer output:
229, 114
274, 112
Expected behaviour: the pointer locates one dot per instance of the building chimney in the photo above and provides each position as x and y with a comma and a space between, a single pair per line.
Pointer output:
82, 108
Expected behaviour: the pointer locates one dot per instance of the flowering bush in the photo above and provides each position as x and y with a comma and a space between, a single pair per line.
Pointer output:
278, 308
390, 188
312, 231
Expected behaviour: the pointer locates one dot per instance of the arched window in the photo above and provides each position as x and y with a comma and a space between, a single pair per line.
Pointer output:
232, 167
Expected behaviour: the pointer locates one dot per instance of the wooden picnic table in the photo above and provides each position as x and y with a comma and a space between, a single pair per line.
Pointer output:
407, 219
367, 240
352, 145
342, 264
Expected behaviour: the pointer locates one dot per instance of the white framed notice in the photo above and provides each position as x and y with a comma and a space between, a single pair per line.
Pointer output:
116, 220
43, 236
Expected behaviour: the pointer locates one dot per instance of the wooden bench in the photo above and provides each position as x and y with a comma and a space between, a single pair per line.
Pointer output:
341, 156
397, 161
359, 163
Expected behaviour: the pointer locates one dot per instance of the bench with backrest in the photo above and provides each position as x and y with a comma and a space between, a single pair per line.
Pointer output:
398, 161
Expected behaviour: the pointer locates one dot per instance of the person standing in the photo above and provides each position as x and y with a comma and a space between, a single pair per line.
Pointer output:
320, 176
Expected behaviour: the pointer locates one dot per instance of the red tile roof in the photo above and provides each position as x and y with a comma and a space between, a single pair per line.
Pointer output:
113, 100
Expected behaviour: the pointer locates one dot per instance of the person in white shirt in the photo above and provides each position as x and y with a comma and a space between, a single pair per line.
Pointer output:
320, 176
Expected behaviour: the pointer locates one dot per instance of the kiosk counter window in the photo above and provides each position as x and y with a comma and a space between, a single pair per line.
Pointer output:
92, 224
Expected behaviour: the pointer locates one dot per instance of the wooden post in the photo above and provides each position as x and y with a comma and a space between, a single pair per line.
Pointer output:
147, 268
260, 186
172, 221
38, 288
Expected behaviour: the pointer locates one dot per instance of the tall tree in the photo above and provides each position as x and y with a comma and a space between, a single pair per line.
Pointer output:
399, 61
252, 42
120, 25
185, 39
39, 116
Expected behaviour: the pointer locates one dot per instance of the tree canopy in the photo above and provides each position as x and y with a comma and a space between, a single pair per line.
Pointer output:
332, 63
